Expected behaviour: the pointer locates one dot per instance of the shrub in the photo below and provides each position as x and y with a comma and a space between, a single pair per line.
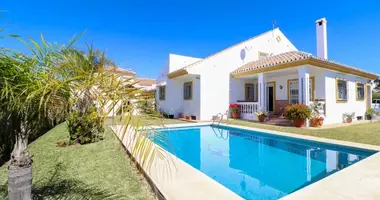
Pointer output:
85, 127
234, 108
297, 112
375, 96
349, 115
146, 106
370, 112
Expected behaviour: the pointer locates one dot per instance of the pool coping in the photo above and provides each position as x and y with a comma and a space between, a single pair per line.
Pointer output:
184, 182
334, 186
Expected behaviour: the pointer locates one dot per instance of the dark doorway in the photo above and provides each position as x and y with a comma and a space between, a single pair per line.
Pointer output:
270, 99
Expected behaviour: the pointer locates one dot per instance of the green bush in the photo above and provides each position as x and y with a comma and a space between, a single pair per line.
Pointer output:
369, 113
85, 127
146, 106
297, 112
375, 96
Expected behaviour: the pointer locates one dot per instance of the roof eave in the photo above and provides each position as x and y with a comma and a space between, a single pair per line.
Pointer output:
176, 74
310, 61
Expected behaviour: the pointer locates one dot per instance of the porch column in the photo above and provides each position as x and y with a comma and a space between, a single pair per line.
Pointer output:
303, 85
261, 92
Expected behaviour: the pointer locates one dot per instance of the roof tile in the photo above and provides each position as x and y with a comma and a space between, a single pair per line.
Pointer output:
287, 57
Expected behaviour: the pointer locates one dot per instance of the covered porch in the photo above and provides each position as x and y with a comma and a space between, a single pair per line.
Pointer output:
272, 91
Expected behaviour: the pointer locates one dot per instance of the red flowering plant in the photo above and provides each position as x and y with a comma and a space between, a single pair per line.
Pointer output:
234, 108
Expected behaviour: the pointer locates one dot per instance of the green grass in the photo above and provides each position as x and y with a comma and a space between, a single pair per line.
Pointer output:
103, 171
367, 133
94, 171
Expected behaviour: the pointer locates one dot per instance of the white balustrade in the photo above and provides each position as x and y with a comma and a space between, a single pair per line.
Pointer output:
248, 109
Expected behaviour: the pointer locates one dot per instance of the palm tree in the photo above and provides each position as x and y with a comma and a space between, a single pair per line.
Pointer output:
47, 85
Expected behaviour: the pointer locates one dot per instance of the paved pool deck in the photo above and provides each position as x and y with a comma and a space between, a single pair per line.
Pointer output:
176, 179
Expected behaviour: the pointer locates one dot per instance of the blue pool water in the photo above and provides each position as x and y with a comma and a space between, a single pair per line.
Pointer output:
257, 165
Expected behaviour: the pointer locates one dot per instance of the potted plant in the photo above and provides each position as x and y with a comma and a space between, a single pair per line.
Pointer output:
235, 110
180, 115
370, 113
188, 117
261, 115
298, 113
316, 117
171, 116
348, 117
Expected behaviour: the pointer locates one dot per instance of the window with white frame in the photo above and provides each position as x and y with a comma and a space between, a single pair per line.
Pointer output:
293, 91
188, 90
161, 92
359, 91
311, 89
341, 90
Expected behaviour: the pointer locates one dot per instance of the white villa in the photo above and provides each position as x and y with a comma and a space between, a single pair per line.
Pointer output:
263, 72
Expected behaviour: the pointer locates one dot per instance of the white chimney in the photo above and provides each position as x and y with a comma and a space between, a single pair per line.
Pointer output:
321, 25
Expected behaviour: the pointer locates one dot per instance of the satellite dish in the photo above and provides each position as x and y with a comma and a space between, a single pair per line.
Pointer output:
242, 54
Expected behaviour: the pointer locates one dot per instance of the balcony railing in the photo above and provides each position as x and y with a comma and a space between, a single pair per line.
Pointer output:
248, 109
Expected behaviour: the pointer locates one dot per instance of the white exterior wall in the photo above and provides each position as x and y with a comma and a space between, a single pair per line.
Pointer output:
215, 71
237, 89
193, 106
281, 78
174, 102
334, 110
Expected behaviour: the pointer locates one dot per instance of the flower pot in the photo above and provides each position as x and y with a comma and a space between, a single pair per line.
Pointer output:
317, 122
193, 117
171, 116
236, 115
348, 120
261, 118
188, 117
180, 115
299, 123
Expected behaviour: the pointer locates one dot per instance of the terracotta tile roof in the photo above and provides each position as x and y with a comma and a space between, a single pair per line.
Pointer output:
184, 69
120, 70
290, 57
145, 81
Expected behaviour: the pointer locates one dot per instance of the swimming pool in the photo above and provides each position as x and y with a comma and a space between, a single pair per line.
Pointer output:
257, 165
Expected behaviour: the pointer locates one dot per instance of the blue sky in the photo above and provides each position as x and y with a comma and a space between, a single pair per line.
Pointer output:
140, 34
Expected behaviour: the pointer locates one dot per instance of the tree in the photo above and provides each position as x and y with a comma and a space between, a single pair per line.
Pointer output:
100, 58
47, 85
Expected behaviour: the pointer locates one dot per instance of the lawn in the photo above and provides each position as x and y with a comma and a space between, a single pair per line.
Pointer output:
94, 171
103, 171
368, 133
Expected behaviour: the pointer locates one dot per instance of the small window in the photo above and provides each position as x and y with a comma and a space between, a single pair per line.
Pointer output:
278, 38
263, 55
359, 91
161, 92
341, 90
188, 90
293, 91
311, 88
249, 92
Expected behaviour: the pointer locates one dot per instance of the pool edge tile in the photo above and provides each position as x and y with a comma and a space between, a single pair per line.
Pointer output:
186, 182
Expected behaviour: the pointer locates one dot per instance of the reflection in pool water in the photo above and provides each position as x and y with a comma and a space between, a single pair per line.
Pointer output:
257, 165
